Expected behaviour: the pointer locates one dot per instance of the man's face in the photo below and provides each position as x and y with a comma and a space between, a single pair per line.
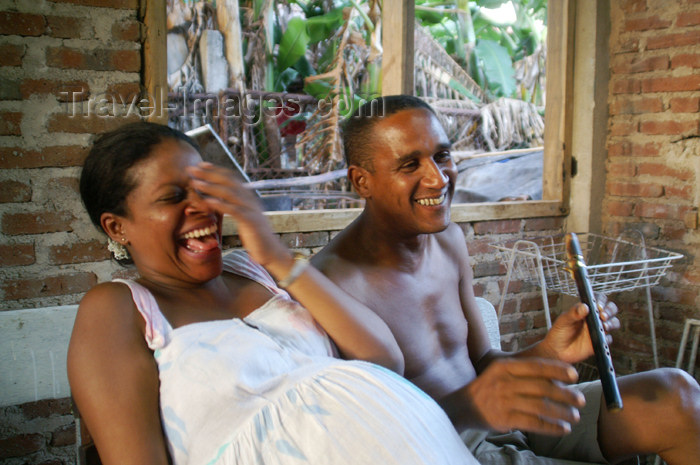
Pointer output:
413, 178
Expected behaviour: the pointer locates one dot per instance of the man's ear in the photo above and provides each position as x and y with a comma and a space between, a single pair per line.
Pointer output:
113, 226
361, 180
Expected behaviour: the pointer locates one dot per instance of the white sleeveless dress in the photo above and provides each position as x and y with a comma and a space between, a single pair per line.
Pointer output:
267, 389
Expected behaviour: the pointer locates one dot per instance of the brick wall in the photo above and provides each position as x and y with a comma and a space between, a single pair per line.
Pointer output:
653, 165
68, 69
59, 61
38, 433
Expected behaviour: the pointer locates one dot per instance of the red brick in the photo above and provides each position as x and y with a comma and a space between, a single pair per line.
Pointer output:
46, 408
617, 149
21, 24
65, 91
21, 445
542, 224
127, 30
63, 436
623, 128
685, 105
650, 149
17, 254
480, 246
55, 156
11, 55
14, 191
96, 60
669, 127
514, 326
10, 123
624, 106
82, 252
615, 208
646, 24
92, 124
45, 286
626, 86
120, 4
674, 231
680, 39
487, 269
635, 189
69, 27
659, 169
691, 60
124, 93
643, 65
688, 18
126, 60
36, 223
692, 276
659, 211
497, 227
672, 84
622, 169
685, 192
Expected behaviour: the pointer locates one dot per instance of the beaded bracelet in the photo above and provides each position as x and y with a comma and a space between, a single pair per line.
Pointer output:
301, 262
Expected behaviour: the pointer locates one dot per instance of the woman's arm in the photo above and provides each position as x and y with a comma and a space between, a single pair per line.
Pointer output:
114, 378
357, 331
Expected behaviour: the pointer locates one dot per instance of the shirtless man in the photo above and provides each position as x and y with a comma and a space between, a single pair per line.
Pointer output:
404, 259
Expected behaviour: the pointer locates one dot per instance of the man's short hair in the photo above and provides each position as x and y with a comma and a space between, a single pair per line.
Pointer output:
357, 129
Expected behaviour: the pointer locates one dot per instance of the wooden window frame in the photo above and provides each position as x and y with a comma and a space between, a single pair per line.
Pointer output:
398, 57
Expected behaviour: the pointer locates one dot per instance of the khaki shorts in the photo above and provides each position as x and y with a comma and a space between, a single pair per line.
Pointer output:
517, 448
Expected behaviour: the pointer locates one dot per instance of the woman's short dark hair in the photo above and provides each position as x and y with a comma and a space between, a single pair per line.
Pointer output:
357, 129
105, 182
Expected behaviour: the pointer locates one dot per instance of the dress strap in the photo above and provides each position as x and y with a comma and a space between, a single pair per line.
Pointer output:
239, 262
157, 327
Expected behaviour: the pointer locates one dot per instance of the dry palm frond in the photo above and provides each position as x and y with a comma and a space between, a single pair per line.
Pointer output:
460, 119
438, 75
198, 18
321, 146
530, 75
507, 123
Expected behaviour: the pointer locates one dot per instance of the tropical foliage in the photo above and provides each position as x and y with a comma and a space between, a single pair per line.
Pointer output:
331, 50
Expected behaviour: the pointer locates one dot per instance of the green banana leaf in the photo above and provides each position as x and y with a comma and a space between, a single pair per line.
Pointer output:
322, 27
293, 44
497, 67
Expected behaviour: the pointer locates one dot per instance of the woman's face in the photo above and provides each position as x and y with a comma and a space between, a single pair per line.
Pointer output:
173, 236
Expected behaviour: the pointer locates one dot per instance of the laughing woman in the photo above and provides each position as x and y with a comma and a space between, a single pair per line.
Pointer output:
247, 358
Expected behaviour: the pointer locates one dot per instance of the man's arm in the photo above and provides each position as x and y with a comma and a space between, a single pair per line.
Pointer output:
508, 393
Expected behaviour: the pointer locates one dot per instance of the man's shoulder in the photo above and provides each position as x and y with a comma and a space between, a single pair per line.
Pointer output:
451, 240
333, 262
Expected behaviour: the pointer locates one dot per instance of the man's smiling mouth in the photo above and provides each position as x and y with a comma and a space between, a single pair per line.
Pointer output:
429, 202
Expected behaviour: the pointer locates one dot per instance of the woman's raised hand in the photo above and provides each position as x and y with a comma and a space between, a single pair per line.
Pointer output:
220, 188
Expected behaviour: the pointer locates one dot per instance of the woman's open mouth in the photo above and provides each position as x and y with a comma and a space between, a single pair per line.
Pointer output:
201, 240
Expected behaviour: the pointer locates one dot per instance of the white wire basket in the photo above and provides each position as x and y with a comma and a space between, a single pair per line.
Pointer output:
613, 265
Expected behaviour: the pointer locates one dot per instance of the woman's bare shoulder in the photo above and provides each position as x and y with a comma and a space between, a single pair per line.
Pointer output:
106, 315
